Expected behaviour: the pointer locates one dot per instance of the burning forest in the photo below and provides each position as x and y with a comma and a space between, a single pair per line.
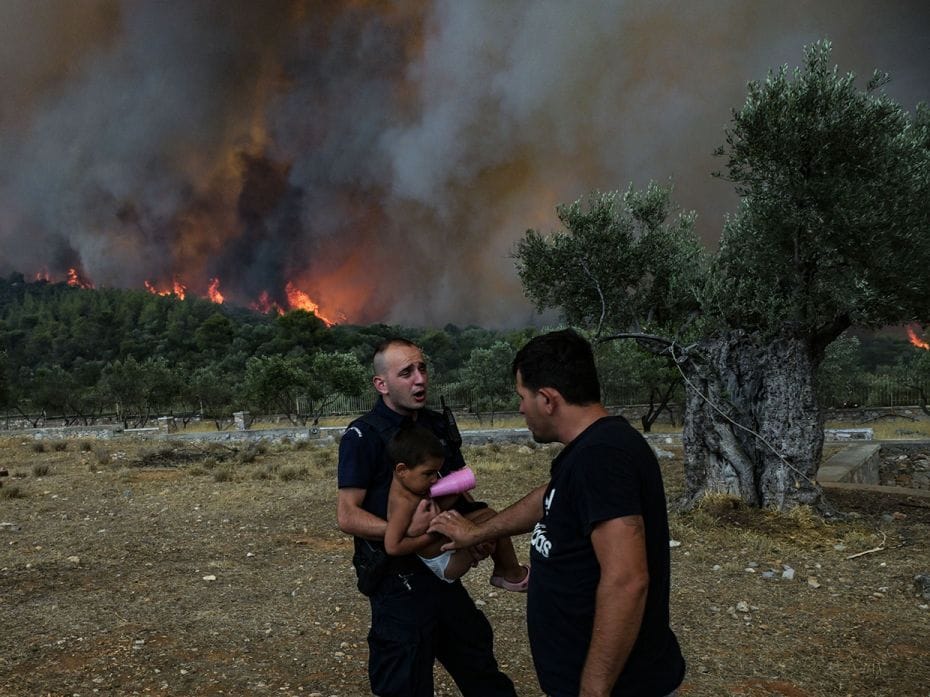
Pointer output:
368, 160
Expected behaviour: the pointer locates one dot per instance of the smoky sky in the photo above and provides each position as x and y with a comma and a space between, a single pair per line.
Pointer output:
383, 157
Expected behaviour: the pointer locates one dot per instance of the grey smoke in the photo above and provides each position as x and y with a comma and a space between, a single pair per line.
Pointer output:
385, 156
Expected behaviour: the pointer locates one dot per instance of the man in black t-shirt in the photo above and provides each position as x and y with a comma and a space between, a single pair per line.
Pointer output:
598, 605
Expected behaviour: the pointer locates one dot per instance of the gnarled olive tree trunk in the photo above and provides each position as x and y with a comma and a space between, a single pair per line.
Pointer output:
766, 387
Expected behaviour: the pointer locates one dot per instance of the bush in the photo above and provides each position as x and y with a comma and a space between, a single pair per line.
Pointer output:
11, 492
40, 470
60, 446
224, 474
288, 474
38, 447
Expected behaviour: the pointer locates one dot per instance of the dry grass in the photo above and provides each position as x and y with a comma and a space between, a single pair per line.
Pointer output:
133, 613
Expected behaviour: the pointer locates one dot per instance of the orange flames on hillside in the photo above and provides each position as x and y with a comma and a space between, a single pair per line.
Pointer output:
917, 341
177, 288
213, 292
72, 278
77, 281
296, 298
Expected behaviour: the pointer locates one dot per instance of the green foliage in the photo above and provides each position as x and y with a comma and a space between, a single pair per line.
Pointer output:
333, 374
913, 372
487, 374
831, 231
273, 384
835, 187
622, 260
629, 374
140, 390
841, 376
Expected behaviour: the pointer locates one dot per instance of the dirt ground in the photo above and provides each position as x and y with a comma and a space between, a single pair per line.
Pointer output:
148, 568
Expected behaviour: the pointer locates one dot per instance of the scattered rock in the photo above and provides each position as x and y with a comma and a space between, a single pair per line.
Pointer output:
788, 573
674, 543
209, 577
813, 582
922, 583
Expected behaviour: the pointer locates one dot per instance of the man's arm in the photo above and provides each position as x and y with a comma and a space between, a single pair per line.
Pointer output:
352, 519
620, 547
355, 520
513, 520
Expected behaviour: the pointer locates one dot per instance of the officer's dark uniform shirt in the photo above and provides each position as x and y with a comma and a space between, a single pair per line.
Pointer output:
363, 461
607, 472
415, 617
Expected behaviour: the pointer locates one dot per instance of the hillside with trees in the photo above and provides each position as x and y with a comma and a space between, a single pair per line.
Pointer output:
84, 354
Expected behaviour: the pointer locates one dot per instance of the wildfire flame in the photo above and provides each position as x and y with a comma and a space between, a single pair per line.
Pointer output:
75, 280
301, 301
917, 341
214, 292
265, 304
296, 298
177, 288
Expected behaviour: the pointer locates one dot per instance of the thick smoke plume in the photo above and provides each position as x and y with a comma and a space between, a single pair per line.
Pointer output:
381, 156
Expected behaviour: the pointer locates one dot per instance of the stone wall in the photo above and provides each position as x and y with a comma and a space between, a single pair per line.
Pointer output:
905, 464
75, 432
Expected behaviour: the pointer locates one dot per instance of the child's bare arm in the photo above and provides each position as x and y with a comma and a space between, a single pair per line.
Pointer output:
400, 513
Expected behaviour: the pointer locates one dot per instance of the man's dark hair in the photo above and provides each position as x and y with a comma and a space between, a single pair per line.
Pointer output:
413, 445
563, 360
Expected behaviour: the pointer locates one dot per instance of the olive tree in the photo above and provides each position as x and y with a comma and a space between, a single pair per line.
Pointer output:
331, 375
486, 375
832, 230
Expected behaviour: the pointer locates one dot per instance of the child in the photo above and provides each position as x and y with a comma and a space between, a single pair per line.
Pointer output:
417, 456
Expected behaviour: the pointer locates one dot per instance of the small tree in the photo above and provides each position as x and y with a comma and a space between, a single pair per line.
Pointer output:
913, 372
140, 389
274, 385
331, 375
840, 377
211, 393
624, 367
486, 374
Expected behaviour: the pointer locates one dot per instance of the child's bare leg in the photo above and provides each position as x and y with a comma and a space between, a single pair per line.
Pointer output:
504, 556
459, 564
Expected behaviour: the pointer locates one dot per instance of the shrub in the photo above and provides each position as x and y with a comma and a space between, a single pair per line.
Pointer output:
11, 492
224, 474
288, 474
38, 447
40, 470
60, 446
